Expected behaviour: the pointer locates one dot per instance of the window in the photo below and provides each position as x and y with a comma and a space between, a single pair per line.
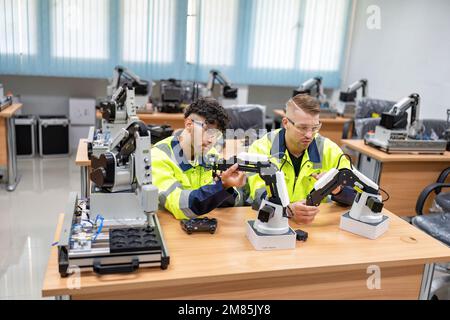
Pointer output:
79, 29
261, 42
323, 35
149, 28
18, 27
191, 32
215, 32
275, 34
305, 35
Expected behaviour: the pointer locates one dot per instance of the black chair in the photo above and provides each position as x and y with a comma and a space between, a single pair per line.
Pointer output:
364, 122
430, 127
440, 208
248, 116
437, 225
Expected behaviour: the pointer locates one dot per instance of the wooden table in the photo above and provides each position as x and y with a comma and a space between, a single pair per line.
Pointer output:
403, 176
175, 120
8, 154
331, 127
332, 264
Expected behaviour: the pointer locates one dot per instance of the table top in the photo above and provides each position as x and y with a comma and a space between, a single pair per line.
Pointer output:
337, 120
82, 159
382, 156
228, 255
8, 112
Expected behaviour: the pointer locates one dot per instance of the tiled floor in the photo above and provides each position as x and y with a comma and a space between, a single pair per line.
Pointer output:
28, 220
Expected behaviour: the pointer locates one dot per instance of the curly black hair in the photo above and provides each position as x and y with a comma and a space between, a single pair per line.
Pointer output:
211, 110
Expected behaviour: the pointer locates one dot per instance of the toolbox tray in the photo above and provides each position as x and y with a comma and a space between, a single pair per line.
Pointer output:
132, 239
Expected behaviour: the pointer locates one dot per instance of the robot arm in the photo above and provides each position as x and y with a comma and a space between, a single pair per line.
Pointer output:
228, 91
272, 176
127, 163
397, 118
350, 94
367, 205
355, 86
120, 107
307, 86
124, 75
339, 177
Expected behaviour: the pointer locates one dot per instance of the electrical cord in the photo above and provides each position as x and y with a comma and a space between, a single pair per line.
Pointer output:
388, 196
349, 159
99, 229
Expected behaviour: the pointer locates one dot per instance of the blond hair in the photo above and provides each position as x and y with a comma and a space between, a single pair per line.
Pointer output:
307, 103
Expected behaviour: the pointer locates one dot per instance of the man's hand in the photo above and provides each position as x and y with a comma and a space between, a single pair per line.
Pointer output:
232, 177
317, 176
303, 214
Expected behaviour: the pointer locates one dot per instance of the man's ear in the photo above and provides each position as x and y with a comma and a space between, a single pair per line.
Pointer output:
188, 125
284, 122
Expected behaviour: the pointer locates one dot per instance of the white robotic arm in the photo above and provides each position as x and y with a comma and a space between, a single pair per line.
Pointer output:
355, 86
307, 87
273, 214
397, 118
368, 203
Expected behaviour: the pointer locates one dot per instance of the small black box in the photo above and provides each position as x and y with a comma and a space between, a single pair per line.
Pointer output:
53, 136
25, 126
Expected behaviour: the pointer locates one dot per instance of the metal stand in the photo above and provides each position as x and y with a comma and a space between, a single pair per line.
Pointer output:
85, 190
427, 279
13, 177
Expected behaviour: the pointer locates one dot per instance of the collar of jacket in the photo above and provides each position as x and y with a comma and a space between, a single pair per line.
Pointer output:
182, 161
278, 149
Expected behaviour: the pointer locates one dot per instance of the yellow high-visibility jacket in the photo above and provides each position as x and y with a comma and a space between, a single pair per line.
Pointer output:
186, 188
321, 155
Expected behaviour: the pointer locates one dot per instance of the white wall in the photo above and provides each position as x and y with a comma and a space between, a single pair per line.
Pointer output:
50, 95
410, 53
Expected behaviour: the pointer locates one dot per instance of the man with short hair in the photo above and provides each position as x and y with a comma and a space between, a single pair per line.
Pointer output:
303, 155
186, 188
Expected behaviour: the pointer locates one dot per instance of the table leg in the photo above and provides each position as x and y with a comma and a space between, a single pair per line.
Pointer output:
13, 177
427, 279
85, 190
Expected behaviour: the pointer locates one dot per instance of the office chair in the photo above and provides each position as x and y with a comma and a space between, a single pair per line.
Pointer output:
437, 225
247, 116
364, 122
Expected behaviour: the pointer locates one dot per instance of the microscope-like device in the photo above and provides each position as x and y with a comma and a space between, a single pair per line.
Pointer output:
393, 135
270, 230
126, 233
365, 217
313, 87
117, 113
346, 105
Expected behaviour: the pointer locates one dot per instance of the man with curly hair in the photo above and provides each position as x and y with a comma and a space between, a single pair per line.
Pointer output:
186, 188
